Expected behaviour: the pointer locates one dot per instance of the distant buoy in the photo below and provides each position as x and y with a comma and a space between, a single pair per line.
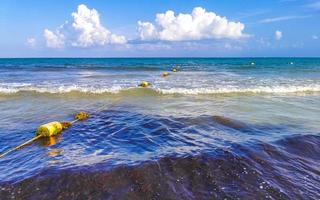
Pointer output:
145, 84
82, 116
174, 70
253, 63
164, 74
291, 63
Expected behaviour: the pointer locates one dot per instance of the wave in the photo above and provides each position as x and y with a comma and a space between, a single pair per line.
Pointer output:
253, 90
61, 90
123, 154
129, 90
258, 171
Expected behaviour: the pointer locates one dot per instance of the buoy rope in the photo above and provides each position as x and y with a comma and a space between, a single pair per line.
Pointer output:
82, 116
21, 145
79, 117
74, 121
103, 107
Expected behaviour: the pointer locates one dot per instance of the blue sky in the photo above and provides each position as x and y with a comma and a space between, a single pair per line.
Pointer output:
130, 28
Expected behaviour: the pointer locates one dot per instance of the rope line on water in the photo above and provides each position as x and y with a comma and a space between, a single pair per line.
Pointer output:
50, 129
55, 128
21, 145
146, 84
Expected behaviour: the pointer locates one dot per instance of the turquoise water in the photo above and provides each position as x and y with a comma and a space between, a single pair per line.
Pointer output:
257, 117
197, 76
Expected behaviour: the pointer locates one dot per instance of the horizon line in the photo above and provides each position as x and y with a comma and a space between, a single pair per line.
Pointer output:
157, 57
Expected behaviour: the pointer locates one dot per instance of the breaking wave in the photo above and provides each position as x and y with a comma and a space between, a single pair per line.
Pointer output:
159, 90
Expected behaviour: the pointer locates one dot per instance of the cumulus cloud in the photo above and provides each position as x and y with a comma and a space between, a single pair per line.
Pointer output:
278, 35
147, 31
315, 37
31, 42
198, 25
91, 32
54, 40
85, 30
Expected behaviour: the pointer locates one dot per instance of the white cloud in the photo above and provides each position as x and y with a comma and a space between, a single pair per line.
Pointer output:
54, 40
91, 32
147, 31
315, 37
284, 18
278, 35
153, 46
198, 25
31, 42
85, 30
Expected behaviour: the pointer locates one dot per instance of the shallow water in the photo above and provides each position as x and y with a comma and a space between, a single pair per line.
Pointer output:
216, 129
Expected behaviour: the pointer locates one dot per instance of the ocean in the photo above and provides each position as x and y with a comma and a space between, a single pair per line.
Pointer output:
218, 128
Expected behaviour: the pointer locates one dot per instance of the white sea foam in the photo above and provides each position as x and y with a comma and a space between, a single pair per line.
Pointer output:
254, 90
175, 90
4, 90
61, 89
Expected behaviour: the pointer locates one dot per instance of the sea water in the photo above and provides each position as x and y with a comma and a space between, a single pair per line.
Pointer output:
217, 128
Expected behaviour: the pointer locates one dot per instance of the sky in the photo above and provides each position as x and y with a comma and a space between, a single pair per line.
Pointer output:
160, 28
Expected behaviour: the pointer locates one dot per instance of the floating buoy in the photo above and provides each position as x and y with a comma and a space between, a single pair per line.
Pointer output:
164, 74
291, 63
174, 70
145, 84
82, 116
51, 129
253, 63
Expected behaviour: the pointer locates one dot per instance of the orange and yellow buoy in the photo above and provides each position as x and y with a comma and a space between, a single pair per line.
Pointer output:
145, 84
50, 129
164, 74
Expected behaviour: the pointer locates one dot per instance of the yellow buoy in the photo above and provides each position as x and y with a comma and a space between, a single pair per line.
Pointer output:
145, 84
50, 129
174, 70
164, 74
82, 116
